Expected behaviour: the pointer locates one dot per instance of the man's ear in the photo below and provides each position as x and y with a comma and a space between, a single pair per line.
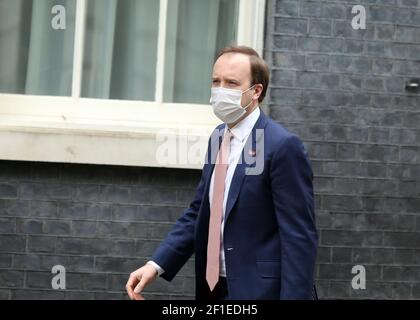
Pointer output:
258, 91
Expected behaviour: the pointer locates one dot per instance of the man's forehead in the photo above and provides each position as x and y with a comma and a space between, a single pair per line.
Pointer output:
232, 64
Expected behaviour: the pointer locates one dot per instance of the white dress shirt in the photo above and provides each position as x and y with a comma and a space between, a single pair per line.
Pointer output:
240, 132
240, 135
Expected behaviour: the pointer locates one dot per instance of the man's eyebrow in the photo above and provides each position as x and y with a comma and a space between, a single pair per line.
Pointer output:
227, 79
231, 79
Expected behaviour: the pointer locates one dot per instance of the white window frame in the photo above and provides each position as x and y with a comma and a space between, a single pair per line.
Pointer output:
115, 132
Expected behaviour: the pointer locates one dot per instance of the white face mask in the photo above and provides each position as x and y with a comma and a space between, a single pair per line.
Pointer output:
226, 103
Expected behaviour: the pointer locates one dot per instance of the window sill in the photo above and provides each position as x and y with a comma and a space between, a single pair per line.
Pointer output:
111, 132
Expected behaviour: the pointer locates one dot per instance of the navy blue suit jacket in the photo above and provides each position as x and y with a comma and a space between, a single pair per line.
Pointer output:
270, 238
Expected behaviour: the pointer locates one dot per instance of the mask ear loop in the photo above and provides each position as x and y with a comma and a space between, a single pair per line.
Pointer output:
251, 98
249, 88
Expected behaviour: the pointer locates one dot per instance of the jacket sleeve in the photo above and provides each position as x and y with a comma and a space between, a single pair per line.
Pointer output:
291, 181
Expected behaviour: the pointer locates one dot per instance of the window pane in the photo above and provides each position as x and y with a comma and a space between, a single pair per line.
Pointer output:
196, 31
120, 49
35, 58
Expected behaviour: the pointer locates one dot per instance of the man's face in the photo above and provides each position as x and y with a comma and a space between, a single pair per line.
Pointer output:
233, 71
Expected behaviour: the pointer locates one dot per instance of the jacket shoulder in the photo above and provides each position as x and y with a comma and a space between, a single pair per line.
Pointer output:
279, 134
281, 141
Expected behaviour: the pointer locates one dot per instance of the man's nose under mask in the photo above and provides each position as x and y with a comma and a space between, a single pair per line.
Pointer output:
226, 103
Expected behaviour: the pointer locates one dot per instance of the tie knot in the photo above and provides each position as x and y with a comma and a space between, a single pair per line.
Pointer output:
225, 147
227, 139
228, 135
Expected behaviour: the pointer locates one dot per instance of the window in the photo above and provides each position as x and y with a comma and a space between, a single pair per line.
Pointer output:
196, 31
120, 49
121, 43
120, 72
35, 58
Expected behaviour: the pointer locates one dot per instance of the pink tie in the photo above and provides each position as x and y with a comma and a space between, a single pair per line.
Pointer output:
216, 209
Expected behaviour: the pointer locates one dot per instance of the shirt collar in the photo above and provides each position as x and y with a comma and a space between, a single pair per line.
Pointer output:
242, 130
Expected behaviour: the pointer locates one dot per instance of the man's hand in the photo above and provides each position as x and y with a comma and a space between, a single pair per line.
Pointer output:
138, 280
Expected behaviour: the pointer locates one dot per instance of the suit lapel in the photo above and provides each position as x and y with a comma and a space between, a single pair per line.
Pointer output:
215, 142
243, 163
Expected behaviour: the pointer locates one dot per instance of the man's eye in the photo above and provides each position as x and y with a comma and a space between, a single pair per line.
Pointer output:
215, 81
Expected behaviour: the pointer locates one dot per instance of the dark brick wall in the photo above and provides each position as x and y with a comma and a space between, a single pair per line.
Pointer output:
342, 91
99, 222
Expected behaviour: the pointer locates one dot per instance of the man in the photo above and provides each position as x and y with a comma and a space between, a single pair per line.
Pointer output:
253, 233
